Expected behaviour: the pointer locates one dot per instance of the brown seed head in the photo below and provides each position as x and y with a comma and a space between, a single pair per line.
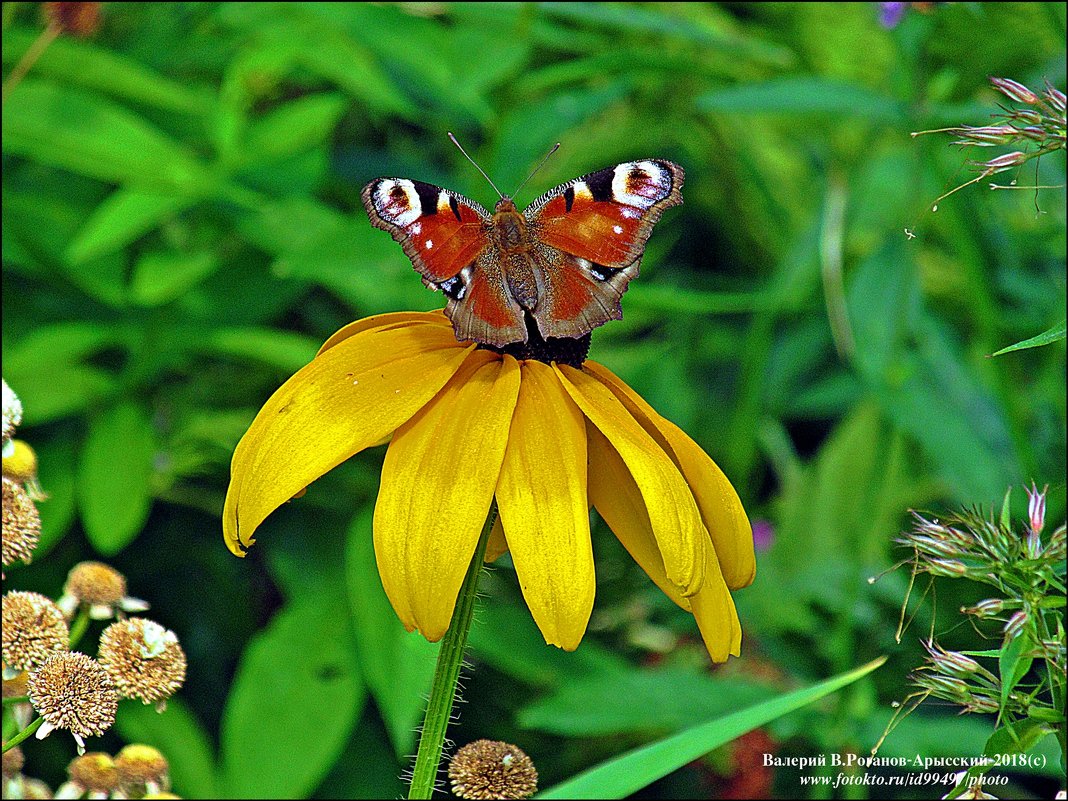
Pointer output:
33, 629
142, 767
95, 583
77, 19
95, 771
489, 769
22, 524
13, 761
143, 659
71, 691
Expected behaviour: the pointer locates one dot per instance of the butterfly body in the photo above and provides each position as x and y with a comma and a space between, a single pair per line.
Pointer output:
562, 264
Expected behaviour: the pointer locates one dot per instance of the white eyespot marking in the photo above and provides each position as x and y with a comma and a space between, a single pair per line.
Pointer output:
417, 228
630, 212
582, 192
640, 184
429, 244
397, 202
617, 228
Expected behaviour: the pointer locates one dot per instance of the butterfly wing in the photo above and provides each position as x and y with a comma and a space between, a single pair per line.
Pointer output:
446, 236
591, 234
441, 232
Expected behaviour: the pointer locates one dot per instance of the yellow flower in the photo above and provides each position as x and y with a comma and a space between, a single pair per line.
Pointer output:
468, 424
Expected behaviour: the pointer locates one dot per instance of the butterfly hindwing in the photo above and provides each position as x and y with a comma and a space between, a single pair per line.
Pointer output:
441, 232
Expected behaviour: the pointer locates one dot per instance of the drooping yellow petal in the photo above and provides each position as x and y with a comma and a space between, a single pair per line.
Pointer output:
541, 494
674, 516
721, 509
438, 479
385, 322
713, 608
343, 401
619, 502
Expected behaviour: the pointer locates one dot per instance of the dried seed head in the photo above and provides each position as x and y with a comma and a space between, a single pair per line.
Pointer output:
95, 583
142, 769
13, 761
143, 659
22, 524
35, 788
34, 629
77, 19
95, 772
71, 691
101, 587
12, 411
489, 769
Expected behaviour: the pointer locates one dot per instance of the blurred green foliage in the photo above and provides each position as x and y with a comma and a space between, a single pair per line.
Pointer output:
182, 228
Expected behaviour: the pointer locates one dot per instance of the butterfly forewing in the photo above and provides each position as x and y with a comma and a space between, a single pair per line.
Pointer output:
441, 232
606, 216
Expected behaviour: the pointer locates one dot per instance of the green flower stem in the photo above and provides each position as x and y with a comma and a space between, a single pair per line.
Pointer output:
22, 735
79, 624
450, 658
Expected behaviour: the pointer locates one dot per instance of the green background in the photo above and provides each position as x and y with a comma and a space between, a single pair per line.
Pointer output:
182, 229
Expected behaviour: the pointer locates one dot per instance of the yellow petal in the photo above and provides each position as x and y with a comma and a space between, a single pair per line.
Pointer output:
721, 510
437, 483
716, 616
385, 321
345, 400
619, 502
542, 498
674, 516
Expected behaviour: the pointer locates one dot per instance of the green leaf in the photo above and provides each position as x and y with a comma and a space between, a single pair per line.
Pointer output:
125, 215
180, 737
282, 349
630, 772
1013, 664
804, 95
666, 699
81, 63
86, 134
1006, 510
396, 664
114, 477
56, 473
294, 127
59, 392
1054, 334
297, 690
160, 277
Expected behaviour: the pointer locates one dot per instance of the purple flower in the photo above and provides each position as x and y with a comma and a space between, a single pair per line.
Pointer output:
890, 14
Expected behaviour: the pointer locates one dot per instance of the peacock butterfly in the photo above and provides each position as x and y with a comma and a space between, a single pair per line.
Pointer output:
563, 263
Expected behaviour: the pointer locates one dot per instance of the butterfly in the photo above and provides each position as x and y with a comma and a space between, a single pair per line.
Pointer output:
562, 264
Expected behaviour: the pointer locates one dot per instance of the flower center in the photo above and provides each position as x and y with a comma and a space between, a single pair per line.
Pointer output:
562, 350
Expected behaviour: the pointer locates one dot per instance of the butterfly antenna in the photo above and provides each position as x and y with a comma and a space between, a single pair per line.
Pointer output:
540, 165
495, 189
